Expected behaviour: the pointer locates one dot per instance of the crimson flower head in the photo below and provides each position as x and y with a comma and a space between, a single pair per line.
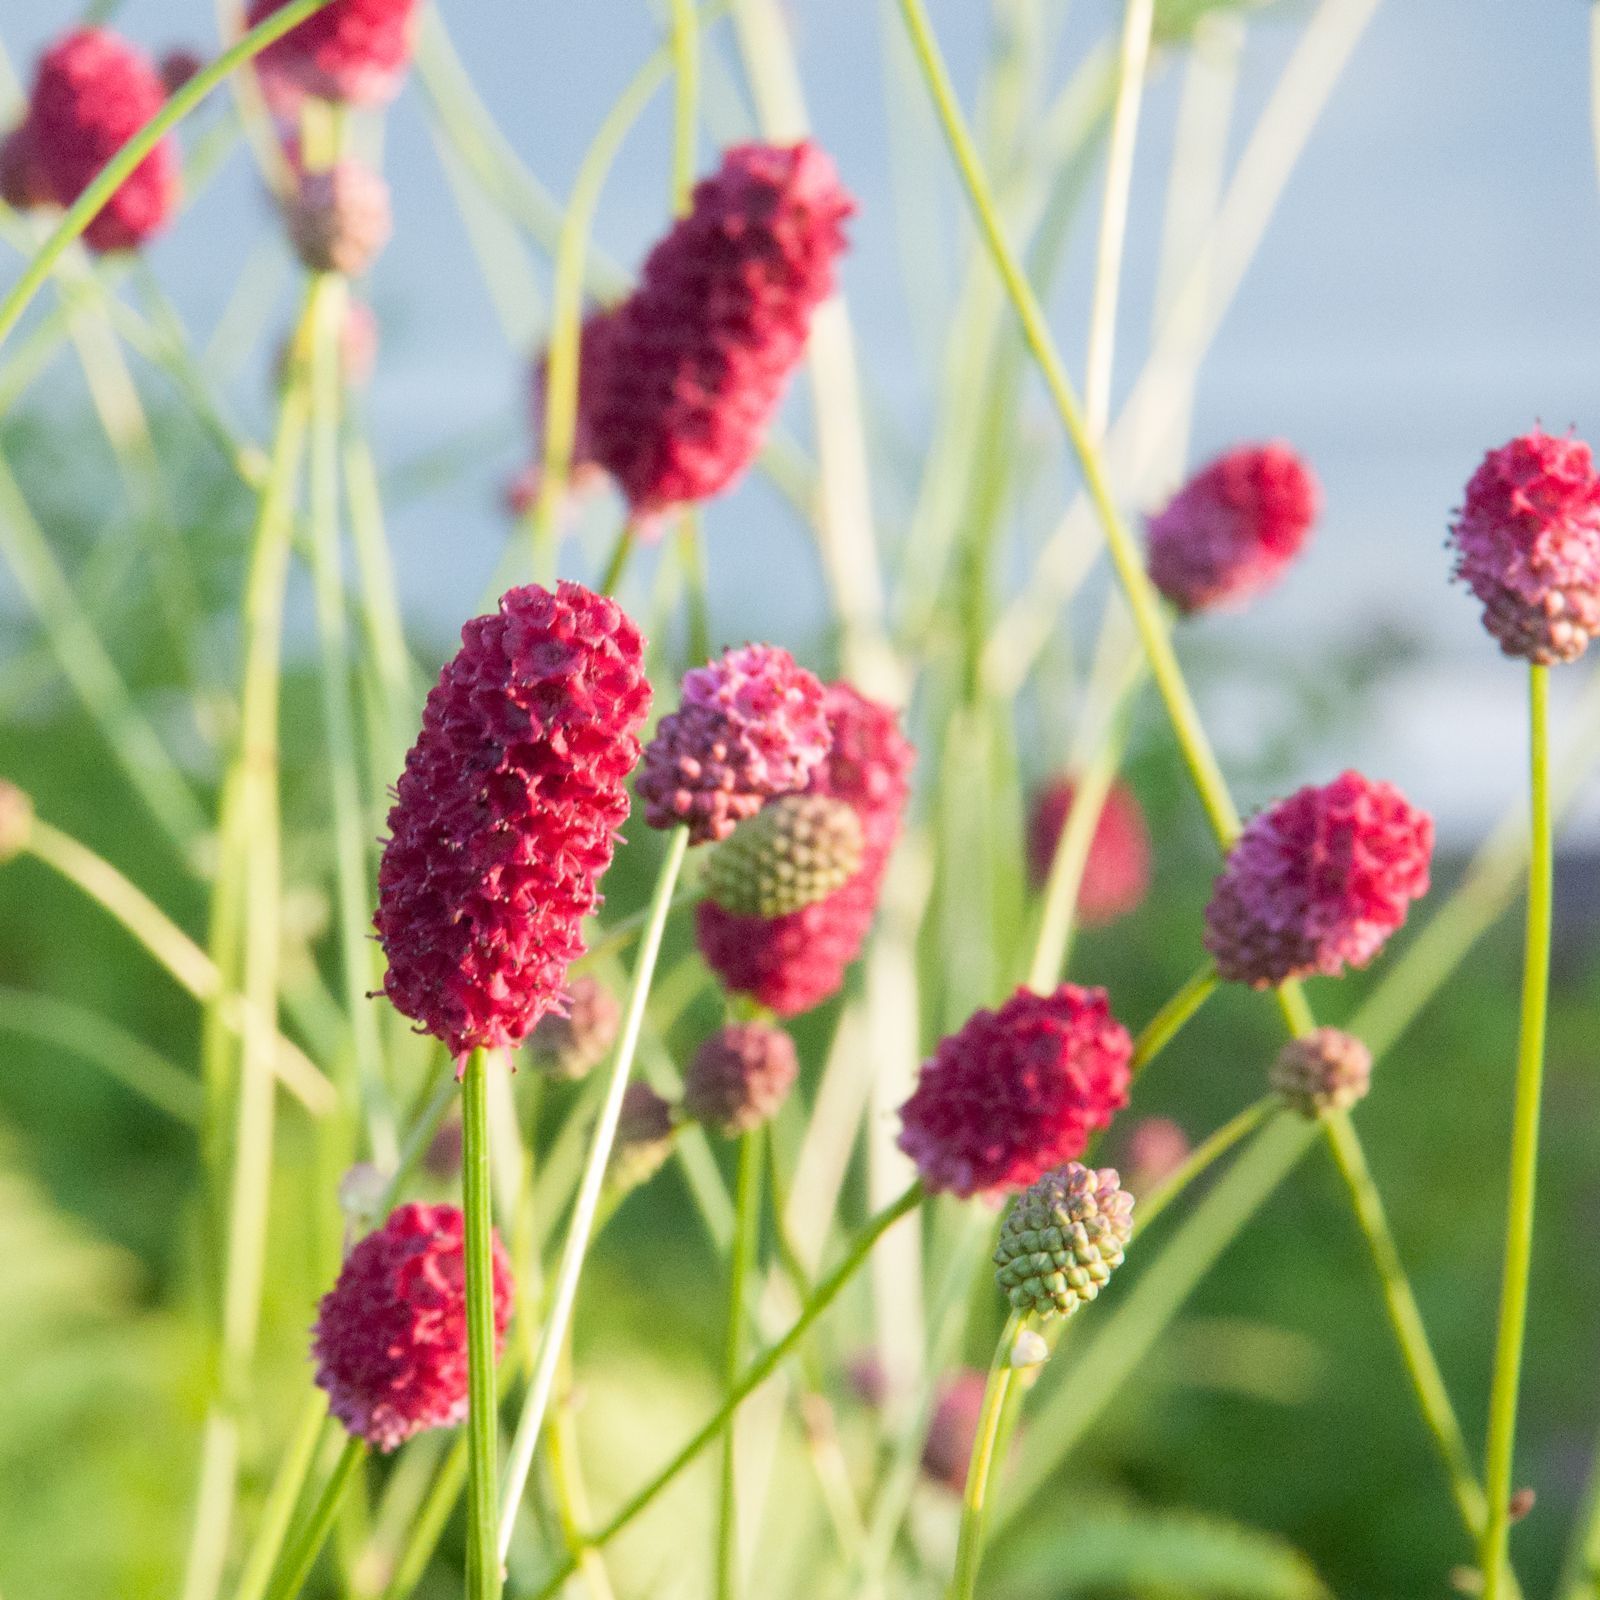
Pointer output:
703, 347
752, 725
794, 962
354, 51
1117, 873
507, 813
92, 93
1527, 544
1318, 882
391, 1336
1233, 528
1017, 1091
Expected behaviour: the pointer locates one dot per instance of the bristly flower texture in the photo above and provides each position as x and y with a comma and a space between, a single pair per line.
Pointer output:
791, 963
1527, 544
507, 813
353, 51
92, 93
1233, 528
702, 349
391, 1336
751, 725
1017, 1091
1116, 875
1318, 882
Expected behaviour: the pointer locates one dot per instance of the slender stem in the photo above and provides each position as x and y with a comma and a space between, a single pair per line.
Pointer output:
746, 1235
691, 547
1524, 1146
1169, 1021
581, 1227
483, 1561
278, 1510
980, 1466
826, 1292
306, 1543
685, 100
88, 205
621, 555
1201, 1159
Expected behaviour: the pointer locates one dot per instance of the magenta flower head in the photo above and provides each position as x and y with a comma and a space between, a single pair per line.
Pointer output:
794, 962
953, 1428
1117, 874
1527, 544
740, 1077
1016, 1092
92, 93
353, 51
1233, 528
507, 813
24, 185
705, 344
751, 725
1318, 882
391, 1336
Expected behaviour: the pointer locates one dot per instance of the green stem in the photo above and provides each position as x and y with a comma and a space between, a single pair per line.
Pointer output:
1168, 1022
581, 1227
278, 1510
617, 561
87, 206
1524, 1147
307, 1541
985, 1452
685, 100
483, 1561
826, 1292
691, 547
746, 1235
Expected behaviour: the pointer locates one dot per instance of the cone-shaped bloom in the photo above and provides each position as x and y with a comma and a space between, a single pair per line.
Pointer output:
795, 850
354, 51
1117, 873
1062, 1240
507, 813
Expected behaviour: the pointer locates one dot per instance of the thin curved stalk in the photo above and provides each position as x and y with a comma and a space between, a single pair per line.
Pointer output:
981, 1464
307, 1541
1169, 1021
483, 1561
746, 1235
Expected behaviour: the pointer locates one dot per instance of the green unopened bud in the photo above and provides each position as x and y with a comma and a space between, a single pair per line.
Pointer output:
1063, 1238
796, 850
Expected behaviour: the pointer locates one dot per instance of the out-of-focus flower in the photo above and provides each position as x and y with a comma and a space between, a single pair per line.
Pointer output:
24, 185
178, 67
584, 471
1062, 1240
1327, 1070
354, 51
339, 218
739, 1077
1117, 872
571, 1043
644, 1138
1156, 1148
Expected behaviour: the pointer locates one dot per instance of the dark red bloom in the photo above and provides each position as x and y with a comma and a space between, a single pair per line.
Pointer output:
391, 1336
355, 51
1117, 873
507, 813
1317, 882
1233, 528
23, 184
740, 1077
1017, 1091
792, 963
92, 93
703, 347
1528, 546
178, 66
751, 726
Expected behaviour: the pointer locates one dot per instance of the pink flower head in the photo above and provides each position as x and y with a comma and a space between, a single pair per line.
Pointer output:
1017, 1091
391, 1336
953, 1428
752, 725
791, 963
92, 93
1155, 1149
1233, 528
1117, 873
354, 51
1527, 544
1317, 882
740, 1077
704, 346
507, 813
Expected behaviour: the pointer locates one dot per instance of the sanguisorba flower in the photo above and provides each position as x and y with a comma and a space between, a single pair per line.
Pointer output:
1527, 543
791, 963
1062, 1240
1233, 528
1117, 872
703, 347
1017, 1091
750, 725
1326, 1070
740, 1077
507, 813
353, 51
93, 91
1318, 882
23, 184
391, 1336
339, 219
569, 1043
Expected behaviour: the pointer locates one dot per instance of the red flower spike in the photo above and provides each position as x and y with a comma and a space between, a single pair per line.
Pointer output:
1527, 544
1318, 882
1117, 874
92, 93
1233, 528
1016, 1092
790, 964
704, 346
353, 51
507, 813
391, 1336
